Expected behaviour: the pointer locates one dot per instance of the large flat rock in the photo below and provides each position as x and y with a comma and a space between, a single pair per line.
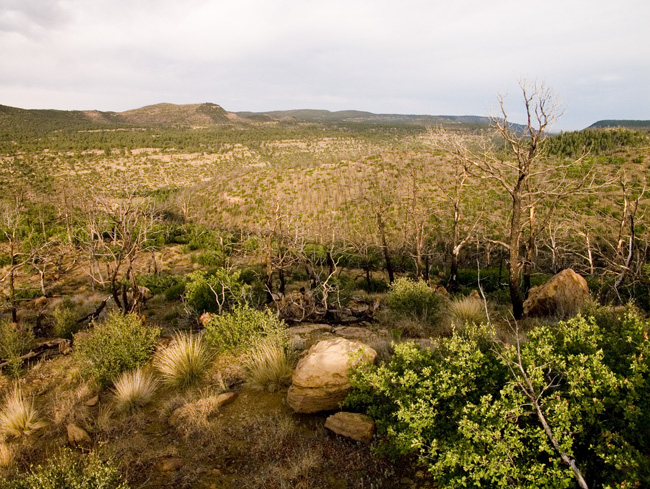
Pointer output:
320, 381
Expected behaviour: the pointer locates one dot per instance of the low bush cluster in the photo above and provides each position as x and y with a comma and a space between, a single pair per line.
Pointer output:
242, 328
15, 340
412, 300
216, 291
65, 321
119, 343
69, 470
480, 413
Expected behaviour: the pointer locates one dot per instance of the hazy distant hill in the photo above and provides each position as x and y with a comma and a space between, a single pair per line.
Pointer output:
39, 120
620, 123
309, 115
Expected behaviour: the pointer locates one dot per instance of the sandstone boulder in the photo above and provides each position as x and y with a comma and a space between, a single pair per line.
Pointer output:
562, 296
357, 427
320, 381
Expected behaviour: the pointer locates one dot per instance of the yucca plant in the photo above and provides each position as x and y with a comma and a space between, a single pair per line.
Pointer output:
18, 416
184, 361
134, 389
268, 366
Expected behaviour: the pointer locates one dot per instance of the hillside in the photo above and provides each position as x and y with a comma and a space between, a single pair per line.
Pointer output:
604, 124
206, 114
346, 116
40, 121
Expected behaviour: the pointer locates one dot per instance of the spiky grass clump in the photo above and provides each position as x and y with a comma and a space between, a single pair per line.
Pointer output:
184, 361
467, 310
134, 389
18, 416
268, 366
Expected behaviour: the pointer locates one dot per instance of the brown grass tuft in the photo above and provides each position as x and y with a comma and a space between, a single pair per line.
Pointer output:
184, 361
134, 389
18, 416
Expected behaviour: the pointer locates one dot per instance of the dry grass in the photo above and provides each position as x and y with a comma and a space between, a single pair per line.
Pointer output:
268, 366
467, 310
134, 389
7, 455
18, 416
184, 361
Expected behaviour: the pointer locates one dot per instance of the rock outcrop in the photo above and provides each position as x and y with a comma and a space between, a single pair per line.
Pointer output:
562, 296
357, 427
320, 381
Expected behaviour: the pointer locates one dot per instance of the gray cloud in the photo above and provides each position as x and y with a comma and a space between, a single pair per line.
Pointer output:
413, 57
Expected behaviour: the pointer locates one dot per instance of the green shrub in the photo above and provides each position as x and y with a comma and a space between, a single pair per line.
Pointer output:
242, 328
65, 321
15, 340
209, 258
216, 291
172, 286
69, 470
413, 300
466, 406
118, 344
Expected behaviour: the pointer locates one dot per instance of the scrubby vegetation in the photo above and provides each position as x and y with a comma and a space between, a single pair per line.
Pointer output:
151, 273
242, 329
115, 345
68, 470
566, 405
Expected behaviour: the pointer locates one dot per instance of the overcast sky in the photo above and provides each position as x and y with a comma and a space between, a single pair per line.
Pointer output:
407, 56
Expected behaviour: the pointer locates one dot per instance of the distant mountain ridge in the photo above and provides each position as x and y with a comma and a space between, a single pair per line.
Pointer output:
632, 124
205, 115
209, 114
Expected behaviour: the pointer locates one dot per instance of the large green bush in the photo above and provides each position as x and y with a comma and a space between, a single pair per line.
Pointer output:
413, 300
15, 340
472, 408
69, 470
216, 291
242, 328
118, 344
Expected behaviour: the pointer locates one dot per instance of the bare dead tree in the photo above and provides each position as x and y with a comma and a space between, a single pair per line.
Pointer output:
521, 171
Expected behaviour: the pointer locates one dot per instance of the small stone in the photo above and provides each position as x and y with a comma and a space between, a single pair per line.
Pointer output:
92, 402
419, 474
226, 398
170, 464
77, 436
216, 472
357, 427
